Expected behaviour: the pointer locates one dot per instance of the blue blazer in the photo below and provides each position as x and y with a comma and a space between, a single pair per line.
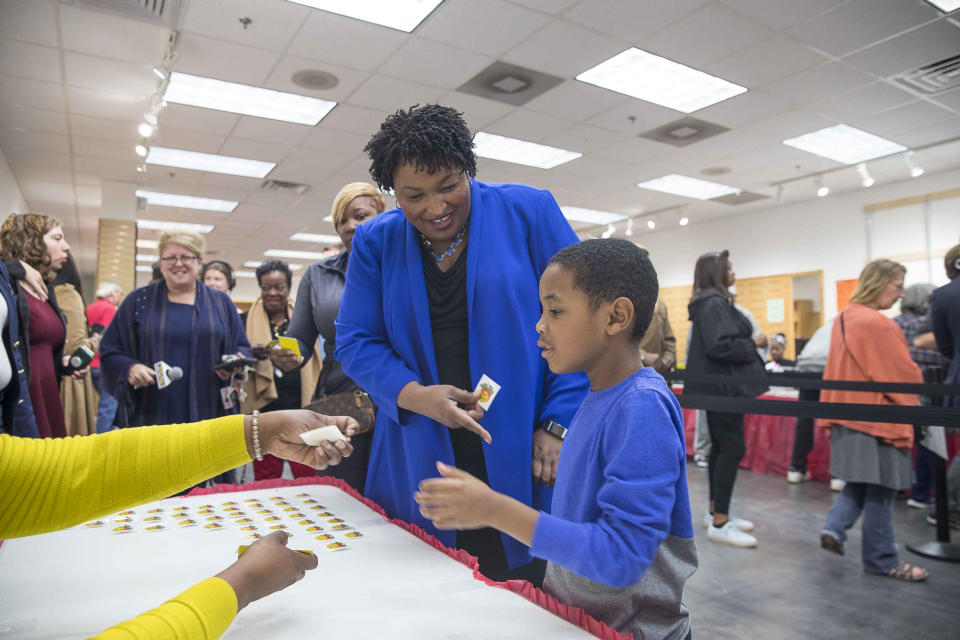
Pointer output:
18, 416
384, 342
945, 318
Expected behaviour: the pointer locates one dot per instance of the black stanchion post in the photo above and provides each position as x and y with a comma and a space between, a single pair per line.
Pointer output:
941, 549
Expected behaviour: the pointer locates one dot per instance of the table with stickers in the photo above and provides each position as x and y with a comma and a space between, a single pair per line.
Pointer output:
374, 579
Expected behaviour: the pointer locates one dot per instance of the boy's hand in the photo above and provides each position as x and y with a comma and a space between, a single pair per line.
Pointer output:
456, 501
546, 454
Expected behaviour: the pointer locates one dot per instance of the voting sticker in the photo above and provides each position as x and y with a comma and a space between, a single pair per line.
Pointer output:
488, 390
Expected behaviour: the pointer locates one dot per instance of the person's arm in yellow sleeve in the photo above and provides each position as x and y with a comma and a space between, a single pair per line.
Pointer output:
50, 484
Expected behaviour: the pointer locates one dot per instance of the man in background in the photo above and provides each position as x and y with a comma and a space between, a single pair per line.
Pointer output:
99, 315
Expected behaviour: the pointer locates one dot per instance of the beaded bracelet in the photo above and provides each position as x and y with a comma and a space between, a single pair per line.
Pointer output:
257, 451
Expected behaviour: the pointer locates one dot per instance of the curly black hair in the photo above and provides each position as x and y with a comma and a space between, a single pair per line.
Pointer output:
611, 268
430, 137
275, 265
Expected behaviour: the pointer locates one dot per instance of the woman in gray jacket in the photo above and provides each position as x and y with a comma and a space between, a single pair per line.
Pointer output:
318, 303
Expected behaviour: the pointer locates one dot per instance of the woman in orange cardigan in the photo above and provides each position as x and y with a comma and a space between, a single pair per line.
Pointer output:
872, 457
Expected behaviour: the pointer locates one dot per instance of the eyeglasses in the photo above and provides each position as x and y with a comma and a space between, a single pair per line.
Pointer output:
185, 260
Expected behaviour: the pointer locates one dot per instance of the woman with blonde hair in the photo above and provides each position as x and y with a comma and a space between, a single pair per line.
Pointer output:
317, 306
872, 457
38, 241
179, 321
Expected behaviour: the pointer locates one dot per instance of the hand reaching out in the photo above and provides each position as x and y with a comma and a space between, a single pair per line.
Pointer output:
280, 435
265, 567
442, 402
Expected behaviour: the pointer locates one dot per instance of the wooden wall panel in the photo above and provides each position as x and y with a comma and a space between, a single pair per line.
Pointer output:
117, 252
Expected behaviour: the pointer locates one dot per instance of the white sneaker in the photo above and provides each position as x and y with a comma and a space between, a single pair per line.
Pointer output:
739, 523
836, 484
796, 477
700, 461
916, 504
728, 534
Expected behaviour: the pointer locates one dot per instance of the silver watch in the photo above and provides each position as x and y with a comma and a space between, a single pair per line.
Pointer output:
554, 428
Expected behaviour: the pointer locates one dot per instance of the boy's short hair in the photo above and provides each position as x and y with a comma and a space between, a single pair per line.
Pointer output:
612, 268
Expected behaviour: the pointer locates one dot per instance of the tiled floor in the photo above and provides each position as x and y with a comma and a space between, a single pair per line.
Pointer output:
789, 589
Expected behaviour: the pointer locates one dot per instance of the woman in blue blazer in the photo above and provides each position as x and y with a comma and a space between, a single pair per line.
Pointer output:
439, 292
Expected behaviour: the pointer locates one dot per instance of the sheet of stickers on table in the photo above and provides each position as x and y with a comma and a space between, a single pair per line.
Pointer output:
252, 518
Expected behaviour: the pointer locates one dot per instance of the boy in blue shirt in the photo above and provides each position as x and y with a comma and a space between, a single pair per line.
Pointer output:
619, 540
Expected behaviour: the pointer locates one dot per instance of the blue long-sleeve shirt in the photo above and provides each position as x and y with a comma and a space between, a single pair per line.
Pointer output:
620, 536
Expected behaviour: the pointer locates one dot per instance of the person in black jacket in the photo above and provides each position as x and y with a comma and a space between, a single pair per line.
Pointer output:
721, 344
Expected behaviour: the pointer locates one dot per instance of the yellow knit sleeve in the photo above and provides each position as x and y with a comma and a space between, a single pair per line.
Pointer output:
53, 483
202, 612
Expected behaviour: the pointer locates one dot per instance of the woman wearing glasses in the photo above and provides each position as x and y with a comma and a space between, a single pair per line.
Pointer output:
182, 322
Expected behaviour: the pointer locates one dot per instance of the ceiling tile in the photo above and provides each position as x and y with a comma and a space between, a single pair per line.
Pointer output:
635, 116
189, 140
780, 14
308, 166
552, 7
772, 59
20, 139
29, 20
41, 159
862, 102
820, 82
170, 179
916, 48
31, 93
33, 119
576, 101
348, 117
224, 181
859, 23
188, 118
112, 37
104, 129
434, 63
390, 94
254, 150
621, 18
706, 36
274, 23
103, 104
746, 108
224, 60
635, 150
490, 27
29, 61
97, 148
894, 121
266, 130
345, 41
949, 99
335, 141
96, 73
281, 78
478, 112
106, 167
550, 50
528, 125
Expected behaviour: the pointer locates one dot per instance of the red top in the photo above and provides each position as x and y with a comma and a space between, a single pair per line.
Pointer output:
100, 312
46, 336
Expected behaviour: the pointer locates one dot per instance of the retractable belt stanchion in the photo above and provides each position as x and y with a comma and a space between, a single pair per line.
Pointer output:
936, 414
941, 548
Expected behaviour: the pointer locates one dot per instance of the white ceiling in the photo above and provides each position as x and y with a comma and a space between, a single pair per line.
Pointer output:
75, 82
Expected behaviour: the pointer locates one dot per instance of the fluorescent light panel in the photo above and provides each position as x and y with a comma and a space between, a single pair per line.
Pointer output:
144, 269
253, 264
945, 5
186, 202
210, 93
245, 274
578, 214
531, 154
649, 77
209, 162
148, 244
316, 237
403, 15
143, 257
845, 144
165, 225
688, 187
284, 253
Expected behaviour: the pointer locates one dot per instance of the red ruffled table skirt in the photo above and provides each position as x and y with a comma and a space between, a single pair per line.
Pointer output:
769, 442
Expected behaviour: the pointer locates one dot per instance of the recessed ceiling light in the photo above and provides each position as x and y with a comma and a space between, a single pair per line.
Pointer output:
245, 274
210, 93
651, 225
140, 150
688, 187
145, 129
284, 253
143, 257
845, 144
403, 15
578, 214
945, 5
649, 77
147, 244
209, 162
531, 154
186, 202
316, 237
165, 225
684, 221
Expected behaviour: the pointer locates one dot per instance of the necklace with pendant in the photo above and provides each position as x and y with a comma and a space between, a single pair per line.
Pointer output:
440, 257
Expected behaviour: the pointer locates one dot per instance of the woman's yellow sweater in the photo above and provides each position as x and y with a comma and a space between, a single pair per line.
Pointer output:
51, 484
